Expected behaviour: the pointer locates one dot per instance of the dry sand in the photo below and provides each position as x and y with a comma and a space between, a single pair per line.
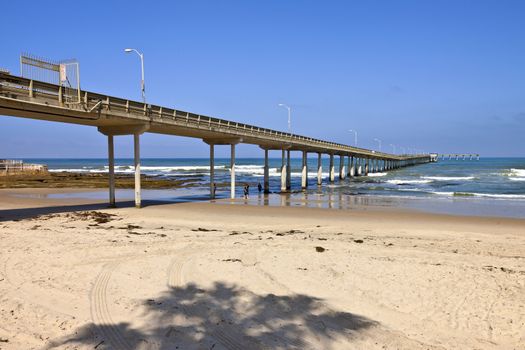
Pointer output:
216, 276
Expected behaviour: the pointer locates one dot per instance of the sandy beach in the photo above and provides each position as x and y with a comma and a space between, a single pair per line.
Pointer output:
76, 275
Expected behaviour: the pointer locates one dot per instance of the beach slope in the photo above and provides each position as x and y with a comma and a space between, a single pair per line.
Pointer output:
231, 276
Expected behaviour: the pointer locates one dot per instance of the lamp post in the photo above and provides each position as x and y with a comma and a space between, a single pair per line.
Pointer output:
289, 116
142, 85
393, 148
355, 136
379, 142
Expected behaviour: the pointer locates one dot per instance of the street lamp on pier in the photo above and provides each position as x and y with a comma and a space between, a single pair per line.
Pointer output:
142, 85
289, 116
379, 142
355, 136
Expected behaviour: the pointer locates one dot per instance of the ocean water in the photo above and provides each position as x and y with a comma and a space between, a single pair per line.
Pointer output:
489, 186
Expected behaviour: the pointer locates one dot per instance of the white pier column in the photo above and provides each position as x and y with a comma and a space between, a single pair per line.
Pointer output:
319, 169
212, 170
266, 173
111, 171
351, 167
359, 168
283, 172
366, 167
342, 172
232, 172
332, 168
136, 139
304, 175
288, 171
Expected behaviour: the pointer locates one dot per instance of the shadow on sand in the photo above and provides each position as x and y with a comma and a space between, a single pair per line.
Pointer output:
28, 213
223, 317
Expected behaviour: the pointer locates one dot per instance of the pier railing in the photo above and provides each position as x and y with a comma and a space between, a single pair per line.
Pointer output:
93, 105
13, 166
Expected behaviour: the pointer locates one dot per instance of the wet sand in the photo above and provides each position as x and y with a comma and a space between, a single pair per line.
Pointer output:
76, 275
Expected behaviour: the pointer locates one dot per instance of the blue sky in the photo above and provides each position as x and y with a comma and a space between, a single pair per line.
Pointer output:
443, 76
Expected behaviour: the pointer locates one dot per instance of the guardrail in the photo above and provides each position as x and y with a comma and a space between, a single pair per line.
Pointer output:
13, 166
92, 103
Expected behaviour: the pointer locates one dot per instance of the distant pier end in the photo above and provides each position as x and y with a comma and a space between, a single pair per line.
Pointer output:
455, 156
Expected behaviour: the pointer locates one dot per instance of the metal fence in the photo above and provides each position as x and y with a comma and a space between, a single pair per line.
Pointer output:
64, 73
10, 166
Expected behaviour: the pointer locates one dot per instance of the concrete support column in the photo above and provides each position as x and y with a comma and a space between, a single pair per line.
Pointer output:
212, 170
284, 172
288, 171
304, 172
319, 169
351, 167
111, 171
266, 173
332, 168
359, 169
342, 171
136, 139
232, 171
366, 166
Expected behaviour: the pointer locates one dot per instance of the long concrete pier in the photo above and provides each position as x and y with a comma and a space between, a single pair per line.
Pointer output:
21, 97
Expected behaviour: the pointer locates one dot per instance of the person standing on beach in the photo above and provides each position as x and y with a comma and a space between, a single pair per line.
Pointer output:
246, 191
259, 187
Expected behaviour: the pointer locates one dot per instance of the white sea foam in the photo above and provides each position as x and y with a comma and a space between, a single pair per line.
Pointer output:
443, 193
448, 178
377, 174
500, 195
475, 194
403, 182
517, 172
70, 170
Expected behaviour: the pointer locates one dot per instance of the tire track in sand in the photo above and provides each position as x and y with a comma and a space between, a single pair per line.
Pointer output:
100, 312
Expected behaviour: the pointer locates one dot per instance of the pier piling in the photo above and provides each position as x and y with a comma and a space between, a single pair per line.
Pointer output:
111, 171
232, 171
136, 141
319, 169
266, 172
332, 168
